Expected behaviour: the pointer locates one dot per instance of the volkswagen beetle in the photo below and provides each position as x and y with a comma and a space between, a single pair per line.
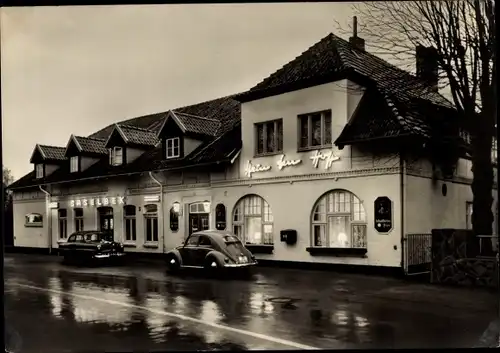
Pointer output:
212, 251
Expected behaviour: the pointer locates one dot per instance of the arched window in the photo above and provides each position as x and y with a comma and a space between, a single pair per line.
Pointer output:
151, 220
129, 213
174, 220
339, 221
253, 220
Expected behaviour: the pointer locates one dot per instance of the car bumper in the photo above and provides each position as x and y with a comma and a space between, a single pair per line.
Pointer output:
106, 256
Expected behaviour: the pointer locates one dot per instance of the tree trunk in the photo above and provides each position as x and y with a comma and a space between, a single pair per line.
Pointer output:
482, 184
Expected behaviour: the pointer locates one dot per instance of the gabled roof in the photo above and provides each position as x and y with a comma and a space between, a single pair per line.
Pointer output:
88, 144
133, 135
49, 153
193, 124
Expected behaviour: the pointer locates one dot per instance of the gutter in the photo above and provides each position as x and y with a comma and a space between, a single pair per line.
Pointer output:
402, 200
49, 216
161, 211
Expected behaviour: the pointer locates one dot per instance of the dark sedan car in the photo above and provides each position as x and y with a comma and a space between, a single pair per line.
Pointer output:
210, 250
90, 245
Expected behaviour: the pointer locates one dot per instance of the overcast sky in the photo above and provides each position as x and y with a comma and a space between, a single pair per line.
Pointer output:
74, 70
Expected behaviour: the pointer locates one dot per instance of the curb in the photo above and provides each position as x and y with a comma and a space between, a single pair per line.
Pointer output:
491, 337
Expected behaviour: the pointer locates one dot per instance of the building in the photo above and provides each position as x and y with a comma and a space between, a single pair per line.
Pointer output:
333, 158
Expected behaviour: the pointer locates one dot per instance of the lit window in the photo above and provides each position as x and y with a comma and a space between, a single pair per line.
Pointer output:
339, 221
116, 156
151, 221
173, 146
78, 213
315, 130
253, 221
74, 164
39, 171
130, 223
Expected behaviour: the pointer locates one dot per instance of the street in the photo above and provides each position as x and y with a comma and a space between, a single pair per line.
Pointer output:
54, 307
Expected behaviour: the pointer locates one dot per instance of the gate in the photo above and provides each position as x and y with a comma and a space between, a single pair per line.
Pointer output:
417, 254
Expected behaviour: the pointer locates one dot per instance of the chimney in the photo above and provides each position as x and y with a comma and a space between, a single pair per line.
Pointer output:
355, 41
427, 66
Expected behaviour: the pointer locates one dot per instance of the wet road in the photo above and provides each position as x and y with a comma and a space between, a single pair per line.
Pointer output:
53, 307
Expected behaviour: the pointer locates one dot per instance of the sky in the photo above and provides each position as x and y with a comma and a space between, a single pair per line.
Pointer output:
74, 70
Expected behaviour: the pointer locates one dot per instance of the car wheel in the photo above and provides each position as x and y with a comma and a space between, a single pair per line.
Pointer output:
173, 264
211, 265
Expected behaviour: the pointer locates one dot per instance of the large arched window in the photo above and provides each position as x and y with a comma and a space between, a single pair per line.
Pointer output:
253, 220
339, 221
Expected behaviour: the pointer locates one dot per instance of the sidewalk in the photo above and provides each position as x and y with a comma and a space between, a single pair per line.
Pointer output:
490, 337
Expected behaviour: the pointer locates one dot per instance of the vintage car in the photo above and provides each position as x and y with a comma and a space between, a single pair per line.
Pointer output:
212, 251
90, 245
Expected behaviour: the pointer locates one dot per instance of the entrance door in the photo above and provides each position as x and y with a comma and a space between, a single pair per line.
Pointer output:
198, 222
106, 223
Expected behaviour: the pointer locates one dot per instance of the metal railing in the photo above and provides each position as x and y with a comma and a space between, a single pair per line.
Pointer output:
488, 245
417, 254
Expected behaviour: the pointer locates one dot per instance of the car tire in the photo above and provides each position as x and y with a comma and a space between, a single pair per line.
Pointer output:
173, 264
211, 265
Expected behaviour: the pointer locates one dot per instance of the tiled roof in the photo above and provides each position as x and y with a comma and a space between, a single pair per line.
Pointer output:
92, 145
53, 152
198, 124
139, 136
334, 58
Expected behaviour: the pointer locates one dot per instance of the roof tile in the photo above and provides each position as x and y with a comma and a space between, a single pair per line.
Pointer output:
92, 145
53, 152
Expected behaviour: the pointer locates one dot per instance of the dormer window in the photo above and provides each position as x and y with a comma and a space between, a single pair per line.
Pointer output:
173, 146
73, 164
39, 171
116, 156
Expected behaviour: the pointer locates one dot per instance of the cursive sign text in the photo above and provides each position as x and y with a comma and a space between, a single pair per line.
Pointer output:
255, 168
282, 163
329, 157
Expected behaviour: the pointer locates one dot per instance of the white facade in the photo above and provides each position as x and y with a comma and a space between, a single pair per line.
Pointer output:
290, 181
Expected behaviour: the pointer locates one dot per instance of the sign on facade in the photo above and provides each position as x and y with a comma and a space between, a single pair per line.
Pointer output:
98, 201
383, 214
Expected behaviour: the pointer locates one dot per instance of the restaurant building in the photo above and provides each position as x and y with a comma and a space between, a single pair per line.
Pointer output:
333, 158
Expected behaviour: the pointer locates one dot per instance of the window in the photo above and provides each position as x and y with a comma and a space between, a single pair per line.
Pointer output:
192, 240
129, 223
78, 213
315, 130
220, 217
33, 220
205, 241
151, 220
253, 221
339, 221
174, 220
63, 223
173, 147
116, 156
73, 164
269, 137
39, 171
468, 215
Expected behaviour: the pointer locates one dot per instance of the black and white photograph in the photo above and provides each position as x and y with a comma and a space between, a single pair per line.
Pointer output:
250, 176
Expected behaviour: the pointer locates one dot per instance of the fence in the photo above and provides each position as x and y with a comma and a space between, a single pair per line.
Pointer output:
417, 255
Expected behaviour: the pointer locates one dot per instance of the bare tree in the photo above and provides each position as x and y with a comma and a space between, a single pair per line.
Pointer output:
464, 35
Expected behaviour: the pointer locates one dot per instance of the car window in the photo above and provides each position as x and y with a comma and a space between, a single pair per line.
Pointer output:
192, 240
205, 241
79, 237
91, 237
231, 239
71, 239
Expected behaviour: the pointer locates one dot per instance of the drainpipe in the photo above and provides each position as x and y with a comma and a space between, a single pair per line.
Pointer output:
161, 210
49, 216
402, 200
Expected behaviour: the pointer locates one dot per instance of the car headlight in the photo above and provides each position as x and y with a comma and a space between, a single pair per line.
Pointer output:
226, 260
99, 247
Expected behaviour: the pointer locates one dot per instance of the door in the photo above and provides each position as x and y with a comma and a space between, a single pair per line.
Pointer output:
204, 247
198, 222
188, 251
106, 225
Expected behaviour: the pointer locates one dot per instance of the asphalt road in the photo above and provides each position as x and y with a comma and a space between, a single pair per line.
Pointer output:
53, 307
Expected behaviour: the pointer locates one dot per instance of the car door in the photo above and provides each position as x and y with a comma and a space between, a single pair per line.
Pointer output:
204, 247
188, 250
